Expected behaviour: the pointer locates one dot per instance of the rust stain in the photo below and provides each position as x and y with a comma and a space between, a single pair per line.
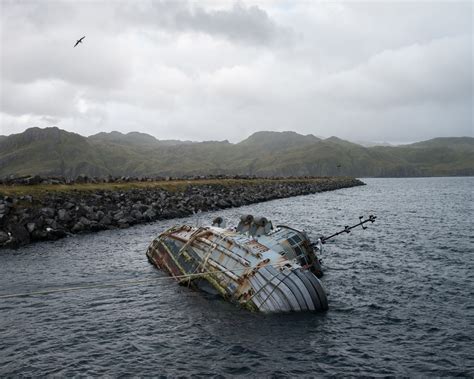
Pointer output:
231, 263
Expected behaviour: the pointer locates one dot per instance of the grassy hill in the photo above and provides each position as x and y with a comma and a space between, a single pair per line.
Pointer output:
53, 151
49, 151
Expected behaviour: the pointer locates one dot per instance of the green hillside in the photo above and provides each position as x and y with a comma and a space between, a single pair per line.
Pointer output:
49, 151
55, 152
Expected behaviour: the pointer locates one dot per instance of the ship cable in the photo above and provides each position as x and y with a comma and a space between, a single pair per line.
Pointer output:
121, 283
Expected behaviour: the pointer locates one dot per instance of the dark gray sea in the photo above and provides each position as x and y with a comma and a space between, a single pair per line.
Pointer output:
401, 297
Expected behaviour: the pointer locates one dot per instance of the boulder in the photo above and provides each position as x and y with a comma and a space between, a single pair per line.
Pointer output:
69, 205
136, 214
85, 221
95, 226
19, 234
4, 237
78, 227
31, 226
51, 223
106, 220
92, 216
48, 212
143, 208
119, 215
54, 234
6, 207
149, 214
63, 215
39, 235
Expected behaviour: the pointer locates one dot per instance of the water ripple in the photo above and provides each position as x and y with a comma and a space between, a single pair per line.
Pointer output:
401, 297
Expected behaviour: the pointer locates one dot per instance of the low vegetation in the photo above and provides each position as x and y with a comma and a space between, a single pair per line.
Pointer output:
167, 185
55, 152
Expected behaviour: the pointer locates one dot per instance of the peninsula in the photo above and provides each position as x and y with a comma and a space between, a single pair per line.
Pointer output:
51, 208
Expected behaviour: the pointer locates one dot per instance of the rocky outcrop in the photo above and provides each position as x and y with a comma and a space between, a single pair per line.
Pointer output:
29, 180
29, 218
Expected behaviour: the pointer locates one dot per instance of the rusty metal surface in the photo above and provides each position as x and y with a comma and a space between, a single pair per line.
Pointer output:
267, 273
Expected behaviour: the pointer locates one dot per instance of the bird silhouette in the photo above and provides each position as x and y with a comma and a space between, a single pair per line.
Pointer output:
79, 41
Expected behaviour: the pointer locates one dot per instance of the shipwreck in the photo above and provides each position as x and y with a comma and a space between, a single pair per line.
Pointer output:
255, 265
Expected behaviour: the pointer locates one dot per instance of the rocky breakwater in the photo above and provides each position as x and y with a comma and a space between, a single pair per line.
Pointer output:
29, 214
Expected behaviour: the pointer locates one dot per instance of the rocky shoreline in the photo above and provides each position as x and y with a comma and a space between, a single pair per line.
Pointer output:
53, 214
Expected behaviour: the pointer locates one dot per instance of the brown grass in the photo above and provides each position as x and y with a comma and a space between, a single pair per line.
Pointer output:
171, 185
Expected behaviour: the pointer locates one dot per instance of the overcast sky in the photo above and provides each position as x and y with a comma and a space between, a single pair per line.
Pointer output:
214, 70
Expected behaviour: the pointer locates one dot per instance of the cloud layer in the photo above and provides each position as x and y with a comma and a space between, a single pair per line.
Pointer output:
221, 70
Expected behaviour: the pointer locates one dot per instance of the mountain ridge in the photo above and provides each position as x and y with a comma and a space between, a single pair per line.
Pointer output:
53, 151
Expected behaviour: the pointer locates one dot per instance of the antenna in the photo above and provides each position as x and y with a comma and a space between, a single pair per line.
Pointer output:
347, 228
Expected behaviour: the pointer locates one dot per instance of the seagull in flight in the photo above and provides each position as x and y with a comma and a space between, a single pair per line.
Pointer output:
79, 41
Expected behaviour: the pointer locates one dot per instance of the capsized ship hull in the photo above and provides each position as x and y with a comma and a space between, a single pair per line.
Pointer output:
255, 266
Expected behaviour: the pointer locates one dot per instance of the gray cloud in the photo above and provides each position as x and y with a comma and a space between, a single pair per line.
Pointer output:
240, 23
33, 57
439, 72
237, 21
43, 97
250, 24
222, 70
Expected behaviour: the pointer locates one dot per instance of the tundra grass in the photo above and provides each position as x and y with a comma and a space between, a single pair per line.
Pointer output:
168, 185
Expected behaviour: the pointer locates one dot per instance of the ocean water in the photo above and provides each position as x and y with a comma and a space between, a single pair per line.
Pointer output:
401, 296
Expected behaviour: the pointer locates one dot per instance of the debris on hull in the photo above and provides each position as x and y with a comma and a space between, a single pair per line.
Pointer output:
255, 266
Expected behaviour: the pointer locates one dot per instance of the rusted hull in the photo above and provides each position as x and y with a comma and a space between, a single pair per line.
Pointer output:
255, 273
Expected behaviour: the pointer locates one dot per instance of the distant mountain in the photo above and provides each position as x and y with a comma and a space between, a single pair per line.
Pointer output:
174, 142
135, 138
457, 143
439, 156
277, 140
53, 151
49, 151
372, 144
129, 138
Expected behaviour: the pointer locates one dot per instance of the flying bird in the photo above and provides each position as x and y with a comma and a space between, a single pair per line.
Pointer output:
79, 41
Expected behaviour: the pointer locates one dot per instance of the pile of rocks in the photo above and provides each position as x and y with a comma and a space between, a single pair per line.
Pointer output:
37, 179
13, 180
25, 219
